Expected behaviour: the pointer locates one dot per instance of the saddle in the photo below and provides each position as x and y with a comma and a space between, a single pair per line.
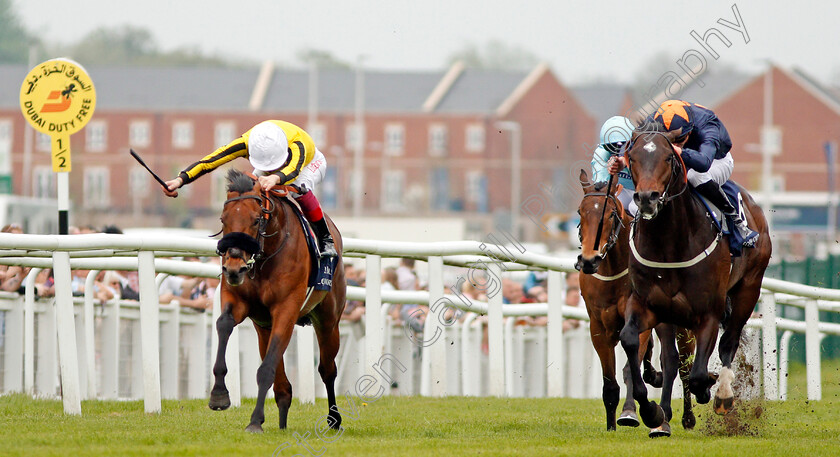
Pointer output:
320, 276
721, 222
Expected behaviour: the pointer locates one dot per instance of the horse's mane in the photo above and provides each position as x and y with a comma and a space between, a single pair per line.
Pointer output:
239, 182
600, 185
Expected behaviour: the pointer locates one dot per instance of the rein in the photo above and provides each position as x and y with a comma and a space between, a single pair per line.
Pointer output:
615, 219
665, 198
251, 245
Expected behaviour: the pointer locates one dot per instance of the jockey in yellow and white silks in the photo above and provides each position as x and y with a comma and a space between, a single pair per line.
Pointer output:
281, 153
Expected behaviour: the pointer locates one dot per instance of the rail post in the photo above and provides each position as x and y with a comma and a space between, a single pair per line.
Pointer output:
769, 348
554, 371
495, 334
67, 355
149, 331
812, 349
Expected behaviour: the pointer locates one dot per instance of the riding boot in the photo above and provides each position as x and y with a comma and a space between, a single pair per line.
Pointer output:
715, 194
325, 239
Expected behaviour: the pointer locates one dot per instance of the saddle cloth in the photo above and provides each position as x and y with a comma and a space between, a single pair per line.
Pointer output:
721, 221
320, 276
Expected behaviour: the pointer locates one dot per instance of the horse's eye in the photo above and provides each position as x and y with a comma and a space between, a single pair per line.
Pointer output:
256, 222
669, 159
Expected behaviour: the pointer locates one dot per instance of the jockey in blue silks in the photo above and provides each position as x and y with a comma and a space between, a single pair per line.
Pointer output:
615, 133
704, 146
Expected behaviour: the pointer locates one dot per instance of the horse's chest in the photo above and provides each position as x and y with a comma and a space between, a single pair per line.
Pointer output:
260, 315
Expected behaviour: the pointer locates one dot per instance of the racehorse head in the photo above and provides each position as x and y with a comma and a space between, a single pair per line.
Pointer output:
597, 203
241, 220
657, 170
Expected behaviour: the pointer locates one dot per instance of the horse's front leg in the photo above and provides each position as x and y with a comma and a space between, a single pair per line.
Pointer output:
281, 332
685, 346
635, 318
669, 360
233, 314
604, 344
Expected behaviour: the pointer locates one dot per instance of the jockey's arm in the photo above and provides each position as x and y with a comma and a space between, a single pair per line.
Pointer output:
295, 163
701, 159
215, 159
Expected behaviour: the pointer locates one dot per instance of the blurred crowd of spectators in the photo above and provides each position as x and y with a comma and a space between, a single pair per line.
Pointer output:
404, 277
190, 292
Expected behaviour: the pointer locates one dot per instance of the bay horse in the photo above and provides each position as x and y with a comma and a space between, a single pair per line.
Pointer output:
266, 264
681, 271
605, 285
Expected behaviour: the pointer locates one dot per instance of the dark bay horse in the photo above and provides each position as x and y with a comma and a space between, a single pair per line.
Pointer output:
681, 272
265, 264
605, 285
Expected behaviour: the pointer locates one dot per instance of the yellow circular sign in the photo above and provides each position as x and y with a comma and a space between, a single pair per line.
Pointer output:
57, 97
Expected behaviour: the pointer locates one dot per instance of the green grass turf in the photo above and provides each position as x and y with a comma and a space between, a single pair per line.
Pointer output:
403, 426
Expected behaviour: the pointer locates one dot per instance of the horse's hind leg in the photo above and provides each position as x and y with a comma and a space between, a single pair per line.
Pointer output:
231, 316
328, 343
685, 346
282, 393
744, 297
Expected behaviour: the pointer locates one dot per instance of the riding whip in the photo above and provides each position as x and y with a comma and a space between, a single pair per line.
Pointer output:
157, 178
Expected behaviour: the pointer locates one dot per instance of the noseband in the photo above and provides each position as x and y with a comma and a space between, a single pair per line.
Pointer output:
615, 220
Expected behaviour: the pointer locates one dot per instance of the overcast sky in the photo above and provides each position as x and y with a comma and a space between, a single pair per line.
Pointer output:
580, 40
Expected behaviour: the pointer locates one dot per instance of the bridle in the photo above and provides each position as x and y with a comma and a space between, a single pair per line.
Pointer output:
255, 246
615, 221
677, 166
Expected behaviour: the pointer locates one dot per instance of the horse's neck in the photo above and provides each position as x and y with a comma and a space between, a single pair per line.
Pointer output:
677, 228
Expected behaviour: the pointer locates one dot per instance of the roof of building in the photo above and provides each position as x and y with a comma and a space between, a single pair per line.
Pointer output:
480, 91
602, 100
384, 91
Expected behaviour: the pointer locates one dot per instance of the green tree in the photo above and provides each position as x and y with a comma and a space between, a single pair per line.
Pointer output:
14, 38
130, 45
495, 55
321, 58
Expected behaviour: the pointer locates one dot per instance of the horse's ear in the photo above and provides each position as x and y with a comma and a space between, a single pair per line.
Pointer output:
584, 179
673, 135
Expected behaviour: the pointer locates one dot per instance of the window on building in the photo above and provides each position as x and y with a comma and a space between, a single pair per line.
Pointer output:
140, 134
44, 182
328, 189
394, 139
351, 137
96, 188
6, 146
393, 189
224, 133
318, 132
439, 189
43, 142
475, 138
218, 189
476, 191
6, 131
96, 136
138, 182
182, 134
438, 140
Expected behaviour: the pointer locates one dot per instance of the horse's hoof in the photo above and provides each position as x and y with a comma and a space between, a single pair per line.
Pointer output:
688, 421
219, 402
334, 422
254, 428
703, 397
628, 419
723, 405
653, 416
662, 430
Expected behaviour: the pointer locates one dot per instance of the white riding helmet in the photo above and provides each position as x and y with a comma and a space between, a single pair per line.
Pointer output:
268, 147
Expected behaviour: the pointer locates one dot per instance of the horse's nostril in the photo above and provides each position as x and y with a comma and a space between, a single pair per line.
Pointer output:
654, 196
242, 270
